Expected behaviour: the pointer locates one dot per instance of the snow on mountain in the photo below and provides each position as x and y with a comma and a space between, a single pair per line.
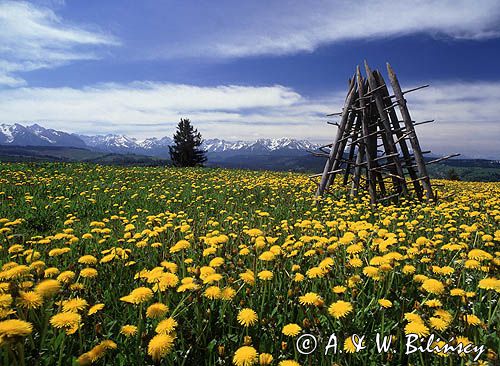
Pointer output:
35, 134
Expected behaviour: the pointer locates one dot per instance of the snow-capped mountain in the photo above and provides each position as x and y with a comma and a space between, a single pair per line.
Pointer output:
36, 135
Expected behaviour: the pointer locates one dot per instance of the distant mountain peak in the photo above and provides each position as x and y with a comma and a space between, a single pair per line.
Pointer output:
37, 135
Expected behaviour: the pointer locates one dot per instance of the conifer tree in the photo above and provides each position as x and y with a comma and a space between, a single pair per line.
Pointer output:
186, 150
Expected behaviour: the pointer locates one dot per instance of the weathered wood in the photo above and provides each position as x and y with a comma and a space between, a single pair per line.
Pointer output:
329, 163
387, 138
401, 139
367, 145
417, 151
443, 158
332, 172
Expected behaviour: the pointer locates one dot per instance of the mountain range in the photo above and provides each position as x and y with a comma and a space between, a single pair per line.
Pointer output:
36, 135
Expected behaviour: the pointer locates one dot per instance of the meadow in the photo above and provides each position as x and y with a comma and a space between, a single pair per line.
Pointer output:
150, 265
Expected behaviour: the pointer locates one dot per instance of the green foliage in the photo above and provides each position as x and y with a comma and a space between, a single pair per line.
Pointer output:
186, 150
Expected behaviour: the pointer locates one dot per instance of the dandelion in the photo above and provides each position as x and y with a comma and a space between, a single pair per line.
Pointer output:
167, 325
48, 288
138, 295
247, 317
67, 320
489, 283
128, 330
15, 328
95, 308
30, 300
156, 310
5, 300
227, 293
160, 345
291, 330
88, 272
417, 327
385, 303
74, 305
288, 363
433, 286
245, 356
472, 319
311, 298
339, 289
340, 309
265, 359
212, 292
265, 275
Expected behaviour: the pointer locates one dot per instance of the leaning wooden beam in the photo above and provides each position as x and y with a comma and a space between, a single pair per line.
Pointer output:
340, 148
332, 172
410, 90
340, 132
352, 150
441, 159
401, 139
387, 137
417, 151
366, 146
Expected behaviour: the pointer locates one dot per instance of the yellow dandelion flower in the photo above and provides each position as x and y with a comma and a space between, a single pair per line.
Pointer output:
5, 300
87, 259
489, 283
472, 319
265, 359
212, 292
94, 309
66, 320
160, 345
339, 309
339, 289
385, 303
417, 327
88, 272
310, 298
291, 330
167, 325
247, 317
227, 293
30, 300
138, 295
47, 288
128, 330
156, 310
74, 304
15, 328
265, 275
433, 286
245, 356
288, 363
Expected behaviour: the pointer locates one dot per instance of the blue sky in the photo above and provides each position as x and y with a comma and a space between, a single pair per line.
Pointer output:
247, 69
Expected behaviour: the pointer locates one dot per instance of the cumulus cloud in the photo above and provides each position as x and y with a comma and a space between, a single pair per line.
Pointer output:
33, 37
466, 113
277, 27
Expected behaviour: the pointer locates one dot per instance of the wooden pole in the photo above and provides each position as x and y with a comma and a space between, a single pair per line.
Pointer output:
387, 137
329, 163
417, 151
400, 135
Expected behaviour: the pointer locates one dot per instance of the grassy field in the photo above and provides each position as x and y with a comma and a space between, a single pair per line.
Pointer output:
143, 266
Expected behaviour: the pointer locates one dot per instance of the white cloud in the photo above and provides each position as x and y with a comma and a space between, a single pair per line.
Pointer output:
279, 27
34, 37
467, 113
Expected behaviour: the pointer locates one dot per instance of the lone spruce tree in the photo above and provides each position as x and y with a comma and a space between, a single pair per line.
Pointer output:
185, 151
